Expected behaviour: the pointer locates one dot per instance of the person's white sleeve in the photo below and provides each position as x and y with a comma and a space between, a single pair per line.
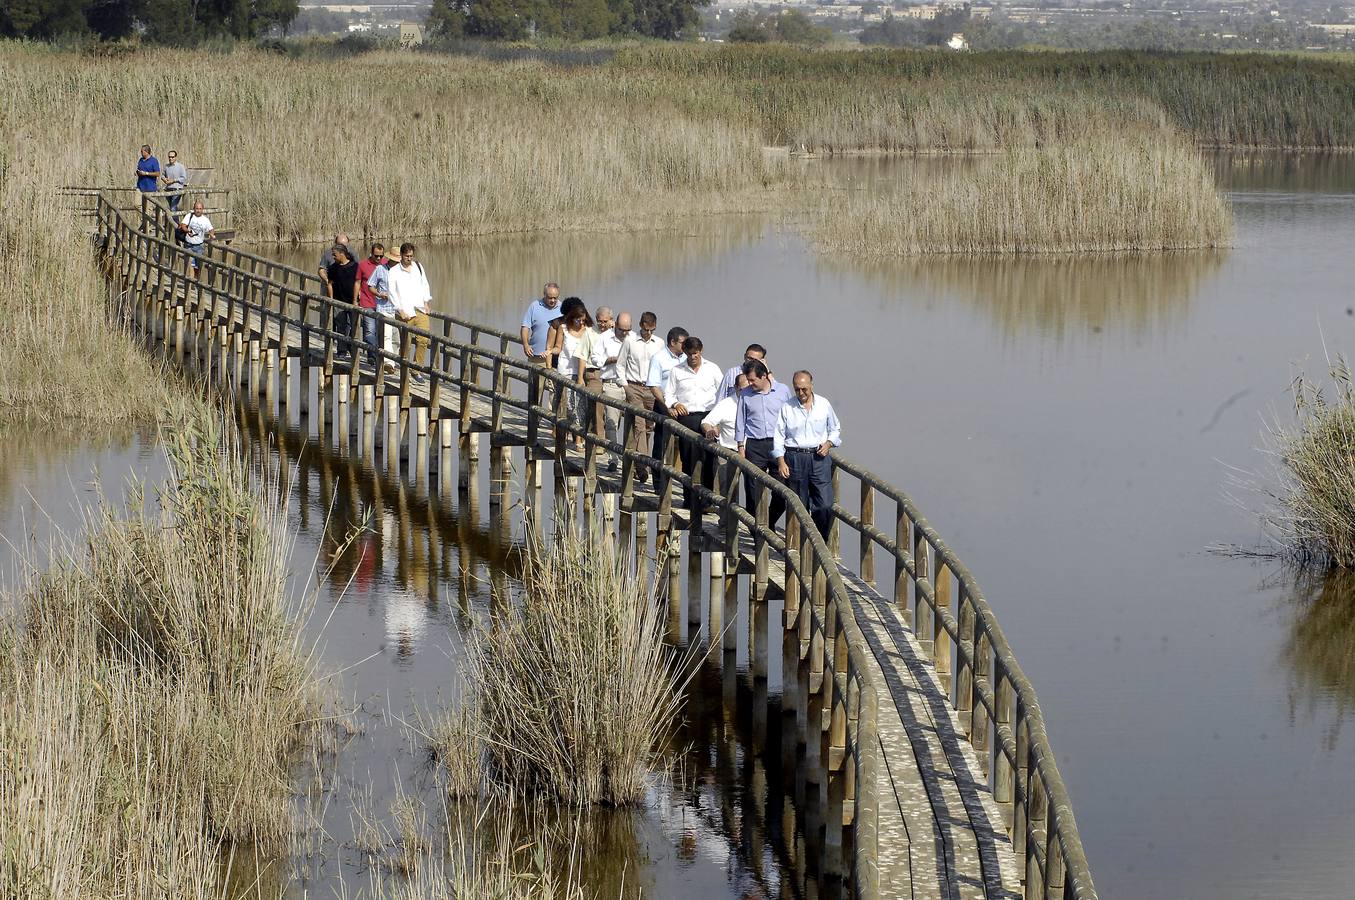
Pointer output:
834, 427
779, 436
670, 389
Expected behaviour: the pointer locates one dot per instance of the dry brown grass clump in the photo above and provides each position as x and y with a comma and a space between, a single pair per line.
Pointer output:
1315, 514
570, 692
154, 692
65, 362
1132, 190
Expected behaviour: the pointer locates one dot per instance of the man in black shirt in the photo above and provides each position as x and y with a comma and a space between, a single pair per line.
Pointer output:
342, 278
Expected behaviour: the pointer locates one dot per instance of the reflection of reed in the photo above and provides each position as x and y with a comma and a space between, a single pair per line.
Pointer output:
30, 454
1320, 649
490, 279
1059, 296
1326, 173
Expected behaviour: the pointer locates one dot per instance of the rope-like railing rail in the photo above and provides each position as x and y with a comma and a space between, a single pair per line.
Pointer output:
250, 295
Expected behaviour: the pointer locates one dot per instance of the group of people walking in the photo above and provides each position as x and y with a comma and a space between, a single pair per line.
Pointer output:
389, 283
787, 431
195, 229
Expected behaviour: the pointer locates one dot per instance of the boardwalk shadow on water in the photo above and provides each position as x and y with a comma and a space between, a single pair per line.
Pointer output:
384, 536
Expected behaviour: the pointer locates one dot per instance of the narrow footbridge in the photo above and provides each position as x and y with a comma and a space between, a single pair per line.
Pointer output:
922, 767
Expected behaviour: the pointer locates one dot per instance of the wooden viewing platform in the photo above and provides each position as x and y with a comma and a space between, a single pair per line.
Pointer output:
924, 769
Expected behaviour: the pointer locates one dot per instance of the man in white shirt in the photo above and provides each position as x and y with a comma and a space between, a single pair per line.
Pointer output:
606, 356
660, 364
197, 230
690, 393
806, 430
719, 422
411, 295
632, 367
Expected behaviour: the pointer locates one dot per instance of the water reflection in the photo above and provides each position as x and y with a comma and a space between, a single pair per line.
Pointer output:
1320, 650
1327, 173
476, 278
1061, 297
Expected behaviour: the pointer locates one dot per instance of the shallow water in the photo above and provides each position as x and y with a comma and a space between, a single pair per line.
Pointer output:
1067, 424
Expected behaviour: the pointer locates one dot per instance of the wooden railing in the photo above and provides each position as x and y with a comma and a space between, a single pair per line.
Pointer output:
277, 309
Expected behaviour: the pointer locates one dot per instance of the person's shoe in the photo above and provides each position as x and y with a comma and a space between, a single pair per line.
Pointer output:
389, 369
611, 466
420, 379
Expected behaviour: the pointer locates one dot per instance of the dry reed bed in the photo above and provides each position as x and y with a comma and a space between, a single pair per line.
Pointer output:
570, 693
457, 146
65, 363
1312, 512
1145, 190
153, 692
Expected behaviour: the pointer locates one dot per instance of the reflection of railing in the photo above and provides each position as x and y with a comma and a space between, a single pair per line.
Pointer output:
242, 298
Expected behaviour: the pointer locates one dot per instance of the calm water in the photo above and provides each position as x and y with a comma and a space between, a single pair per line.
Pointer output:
1069, 426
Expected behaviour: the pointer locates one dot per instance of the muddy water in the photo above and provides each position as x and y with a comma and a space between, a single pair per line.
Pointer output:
1068, 426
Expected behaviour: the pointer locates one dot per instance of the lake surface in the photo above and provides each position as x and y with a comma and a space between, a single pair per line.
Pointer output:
1069, 425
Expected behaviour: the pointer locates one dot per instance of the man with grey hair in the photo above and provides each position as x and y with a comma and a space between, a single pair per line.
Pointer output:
540, 324
592, 379
806, 430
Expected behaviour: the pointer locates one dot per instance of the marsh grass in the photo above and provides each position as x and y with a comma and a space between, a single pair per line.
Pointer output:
154, 691
1140, 190
66, 363
570, 692
1313, 510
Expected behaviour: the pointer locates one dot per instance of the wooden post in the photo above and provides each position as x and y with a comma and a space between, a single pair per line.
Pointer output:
715, 609
693, 582
867, 560
901, 525
941, 643
761, 560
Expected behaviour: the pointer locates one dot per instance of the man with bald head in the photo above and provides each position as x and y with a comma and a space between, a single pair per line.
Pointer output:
327, 258
606, 350
806, 430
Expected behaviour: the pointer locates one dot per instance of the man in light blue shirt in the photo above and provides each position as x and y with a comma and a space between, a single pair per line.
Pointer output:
806, 430
727, 387
541, 320
755, 427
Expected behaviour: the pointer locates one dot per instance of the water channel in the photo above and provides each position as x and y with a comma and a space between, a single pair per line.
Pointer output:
1067, 424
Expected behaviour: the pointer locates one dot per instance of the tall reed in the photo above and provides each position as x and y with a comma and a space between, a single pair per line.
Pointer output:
1314, 516
155, 692
1138, 191
571, 690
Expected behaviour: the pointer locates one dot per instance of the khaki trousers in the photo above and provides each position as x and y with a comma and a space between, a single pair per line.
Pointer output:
640, 395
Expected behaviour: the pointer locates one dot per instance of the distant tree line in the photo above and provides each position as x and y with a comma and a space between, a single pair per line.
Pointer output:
515, 20
789, 26
158, 21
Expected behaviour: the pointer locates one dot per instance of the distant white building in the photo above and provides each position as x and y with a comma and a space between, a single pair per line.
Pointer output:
957, 42
411, 34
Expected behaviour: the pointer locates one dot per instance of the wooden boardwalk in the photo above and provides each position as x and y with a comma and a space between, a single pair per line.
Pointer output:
923, 746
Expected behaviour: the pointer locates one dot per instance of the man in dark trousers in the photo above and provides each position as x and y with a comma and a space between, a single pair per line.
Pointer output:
806, 430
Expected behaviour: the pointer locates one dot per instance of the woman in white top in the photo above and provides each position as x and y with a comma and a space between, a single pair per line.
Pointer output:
576, 349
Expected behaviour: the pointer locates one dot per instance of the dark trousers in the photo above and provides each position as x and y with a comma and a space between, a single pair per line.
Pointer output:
811, 478
343, 324
690, 453
758, 451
